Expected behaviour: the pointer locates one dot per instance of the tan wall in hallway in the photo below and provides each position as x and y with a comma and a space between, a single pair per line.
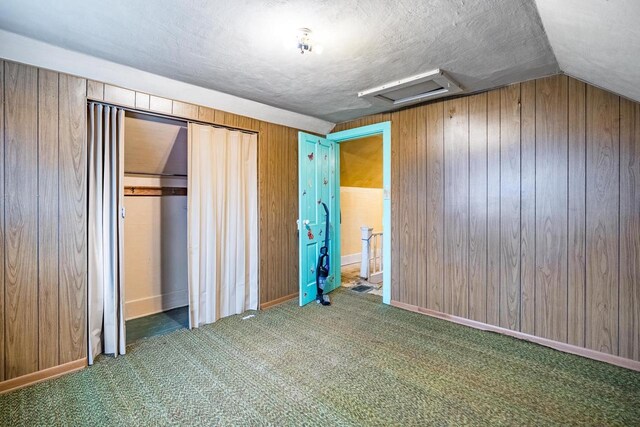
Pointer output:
359, 206
520, 208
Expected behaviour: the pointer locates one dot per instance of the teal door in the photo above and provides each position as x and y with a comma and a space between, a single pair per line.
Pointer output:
317, 167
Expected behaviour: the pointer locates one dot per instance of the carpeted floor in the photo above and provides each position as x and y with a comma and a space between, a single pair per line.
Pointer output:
157, 324
354, 363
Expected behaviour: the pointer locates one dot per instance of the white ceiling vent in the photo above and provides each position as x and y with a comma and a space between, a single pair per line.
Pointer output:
422, 87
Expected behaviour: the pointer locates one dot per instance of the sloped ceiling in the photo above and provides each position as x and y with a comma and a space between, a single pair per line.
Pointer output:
154, 146
235, 46
597, 41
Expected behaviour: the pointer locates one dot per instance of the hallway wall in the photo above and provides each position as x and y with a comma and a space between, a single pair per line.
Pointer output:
359, 206
360, 192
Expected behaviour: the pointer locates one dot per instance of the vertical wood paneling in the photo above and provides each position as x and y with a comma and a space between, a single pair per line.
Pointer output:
602, 227
629, 230
396, 229
493, 207
283, 206
95, 90
435, 206
577, 214
21, 219
278, 201
206, 114
184, 109
2, 233
236, 121
271, 200
478, 207
275, 216
48, 218
553, 178
275, 133
264, 176
551, 208
528, 206
510, 207
292, 204
422, 198
407, 207
456, 202
72, 218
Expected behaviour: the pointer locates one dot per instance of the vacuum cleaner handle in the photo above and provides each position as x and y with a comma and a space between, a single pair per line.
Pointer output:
326, 234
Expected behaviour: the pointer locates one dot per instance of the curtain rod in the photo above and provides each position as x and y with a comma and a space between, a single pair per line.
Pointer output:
174, 118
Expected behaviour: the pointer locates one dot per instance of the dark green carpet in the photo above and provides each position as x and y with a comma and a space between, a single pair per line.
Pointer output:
354, 363
157, 324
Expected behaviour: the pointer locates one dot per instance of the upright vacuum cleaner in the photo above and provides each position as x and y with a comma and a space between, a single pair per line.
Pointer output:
323, 268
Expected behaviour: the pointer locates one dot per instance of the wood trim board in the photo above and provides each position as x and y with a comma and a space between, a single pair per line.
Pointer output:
43, 375
269, 304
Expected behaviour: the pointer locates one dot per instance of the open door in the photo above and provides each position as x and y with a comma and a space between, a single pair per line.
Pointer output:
317, 158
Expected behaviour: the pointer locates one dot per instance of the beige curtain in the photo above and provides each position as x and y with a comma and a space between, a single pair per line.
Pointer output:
106, 279
222, 223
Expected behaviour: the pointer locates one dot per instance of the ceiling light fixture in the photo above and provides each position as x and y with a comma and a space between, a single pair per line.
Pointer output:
304, 43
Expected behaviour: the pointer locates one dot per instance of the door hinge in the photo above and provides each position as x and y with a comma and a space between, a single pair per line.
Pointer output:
123, 212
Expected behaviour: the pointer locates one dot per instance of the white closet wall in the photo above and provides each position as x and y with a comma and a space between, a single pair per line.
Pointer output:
155, 226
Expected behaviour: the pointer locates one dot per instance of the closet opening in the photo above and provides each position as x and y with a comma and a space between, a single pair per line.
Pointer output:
172, 225
156, 296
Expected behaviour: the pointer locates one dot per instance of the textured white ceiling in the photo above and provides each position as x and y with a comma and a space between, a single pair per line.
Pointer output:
235, 46
597, 41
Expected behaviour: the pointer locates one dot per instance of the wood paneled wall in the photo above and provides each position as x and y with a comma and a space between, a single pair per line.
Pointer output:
520, 208
42, 220
278, 188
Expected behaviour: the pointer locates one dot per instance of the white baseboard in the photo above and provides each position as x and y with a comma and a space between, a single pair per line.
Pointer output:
155, 304
350, 259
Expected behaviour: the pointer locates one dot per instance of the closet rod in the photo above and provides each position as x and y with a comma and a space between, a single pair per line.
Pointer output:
174, 118
154, 191
167, 175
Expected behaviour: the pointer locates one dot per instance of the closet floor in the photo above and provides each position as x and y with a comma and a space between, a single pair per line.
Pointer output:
157, 324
